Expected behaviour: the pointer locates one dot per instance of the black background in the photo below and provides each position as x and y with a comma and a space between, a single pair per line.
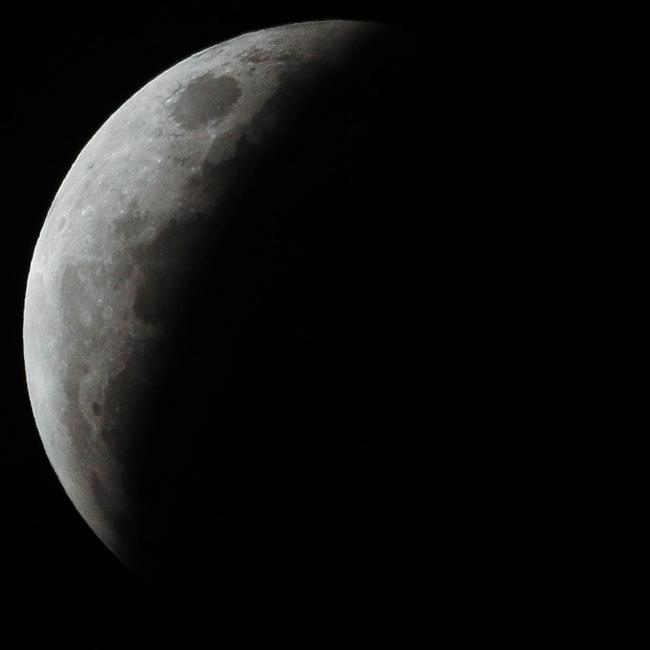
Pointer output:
64, 73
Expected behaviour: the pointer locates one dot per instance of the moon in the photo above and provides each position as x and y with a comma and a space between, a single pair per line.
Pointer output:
207, 311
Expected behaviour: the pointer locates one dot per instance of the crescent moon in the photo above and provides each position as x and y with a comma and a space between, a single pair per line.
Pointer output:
162, 194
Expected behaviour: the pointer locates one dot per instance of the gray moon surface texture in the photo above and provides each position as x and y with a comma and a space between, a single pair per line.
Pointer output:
187, 287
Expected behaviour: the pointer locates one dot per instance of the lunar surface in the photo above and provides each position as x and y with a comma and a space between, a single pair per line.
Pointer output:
210, 331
